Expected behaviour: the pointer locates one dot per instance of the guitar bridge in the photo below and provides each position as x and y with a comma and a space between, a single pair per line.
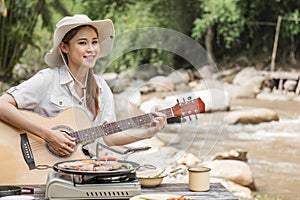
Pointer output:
27, 152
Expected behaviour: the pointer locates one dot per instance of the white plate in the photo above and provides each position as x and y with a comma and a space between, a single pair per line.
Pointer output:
154, 196
17, 197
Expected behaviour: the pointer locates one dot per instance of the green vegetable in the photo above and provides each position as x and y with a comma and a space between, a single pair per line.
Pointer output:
145, 198
158, 175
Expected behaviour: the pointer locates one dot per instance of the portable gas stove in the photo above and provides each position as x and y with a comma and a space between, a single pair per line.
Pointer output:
62, 185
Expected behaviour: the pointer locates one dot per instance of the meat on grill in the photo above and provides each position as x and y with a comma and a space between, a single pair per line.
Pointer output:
91, 165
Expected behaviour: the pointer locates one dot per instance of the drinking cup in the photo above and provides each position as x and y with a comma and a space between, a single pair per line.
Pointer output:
199, 178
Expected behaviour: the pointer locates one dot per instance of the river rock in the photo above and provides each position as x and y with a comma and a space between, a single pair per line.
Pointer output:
206, 72
109, 76
180, 76
290, 85
274, 96
236, 171
161, 84
251, 116
127, 104
234, 154
237, 190
239, 91
197, 85
188, 159
248, 77
117, 83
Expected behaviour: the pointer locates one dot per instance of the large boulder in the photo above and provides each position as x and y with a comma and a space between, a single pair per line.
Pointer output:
251, 116
236, 171
249, 77
239, 91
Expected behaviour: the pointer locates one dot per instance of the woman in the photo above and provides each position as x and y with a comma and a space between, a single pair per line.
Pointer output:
78, 42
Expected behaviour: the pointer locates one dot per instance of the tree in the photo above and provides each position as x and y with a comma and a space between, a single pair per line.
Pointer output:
258, 37
130, 15
17, 28
221, 19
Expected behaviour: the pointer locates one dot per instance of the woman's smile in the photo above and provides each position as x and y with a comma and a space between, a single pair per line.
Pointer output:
89, 58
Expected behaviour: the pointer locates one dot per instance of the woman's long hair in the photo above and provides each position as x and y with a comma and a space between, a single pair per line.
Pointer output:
92, 89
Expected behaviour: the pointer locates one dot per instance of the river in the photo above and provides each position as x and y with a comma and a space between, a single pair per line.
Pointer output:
273, 147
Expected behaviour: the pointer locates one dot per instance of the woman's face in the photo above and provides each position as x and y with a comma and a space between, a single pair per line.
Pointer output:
82, 49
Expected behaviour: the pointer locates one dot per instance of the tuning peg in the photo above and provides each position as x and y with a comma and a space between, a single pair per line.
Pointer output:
178, 102
183, 119
196, 116
183, 114
189, 98
189, 114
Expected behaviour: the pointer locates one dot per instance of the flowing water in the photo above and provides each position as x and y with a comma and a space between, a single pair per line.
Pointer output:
273, 148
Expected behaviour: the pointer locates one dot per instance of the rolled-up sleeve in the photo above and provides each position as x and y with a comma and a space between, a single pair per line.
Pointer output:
29, 93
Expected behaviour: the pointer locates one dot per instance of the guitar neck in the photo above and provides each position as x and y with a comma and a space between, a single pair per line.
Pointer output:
90, 134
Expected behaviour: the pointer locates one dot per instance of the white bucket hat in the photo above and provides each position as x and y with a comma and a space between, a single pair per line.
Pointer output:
105, 30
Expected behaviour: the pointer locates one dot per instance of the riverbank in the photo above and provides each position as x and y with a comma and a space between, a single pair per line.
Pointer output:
272, 147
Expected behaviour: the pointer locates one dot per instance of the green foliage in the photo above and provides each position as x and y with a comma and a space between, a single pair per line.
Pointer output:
17, 30
225, 16
131, 15
261, 18
241, 28
291, 27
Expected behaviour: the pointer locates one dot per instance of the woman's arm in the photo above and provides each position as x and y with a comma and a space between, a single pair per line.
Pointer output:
60, 143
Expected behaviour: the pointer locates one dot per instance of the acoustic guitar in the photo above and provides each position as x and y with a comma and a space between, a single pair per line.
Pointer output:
21, 152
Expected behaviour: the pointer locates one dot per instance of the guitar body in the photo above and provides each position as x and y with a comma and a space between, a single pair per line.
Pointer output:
13, 168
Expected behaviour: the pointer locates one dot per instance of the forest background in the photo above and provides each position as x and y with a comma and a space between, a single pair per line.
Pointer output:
234, 32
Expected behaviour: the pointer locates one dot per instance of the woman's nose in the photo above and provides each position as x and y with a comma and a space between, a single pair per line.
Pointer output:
91, 47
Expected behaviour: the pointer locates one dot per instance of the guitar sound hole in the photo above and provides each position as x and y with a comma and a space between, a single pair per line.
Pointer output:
64, 129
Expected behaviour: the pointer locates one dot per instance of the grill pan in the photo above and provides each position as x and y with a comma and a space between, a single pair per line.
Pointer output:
127, 167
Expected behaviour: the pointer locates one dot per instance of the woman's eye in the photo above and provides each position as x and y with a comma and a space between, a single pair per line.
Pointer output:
82, 43
95, 42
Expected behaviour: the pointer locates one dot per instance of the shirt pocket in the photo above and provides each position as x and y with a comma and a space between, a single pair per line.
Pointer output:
60, 101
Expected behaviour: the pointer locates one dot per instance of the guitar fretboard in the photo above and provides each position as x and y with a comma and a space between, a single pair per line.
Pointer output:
90, 134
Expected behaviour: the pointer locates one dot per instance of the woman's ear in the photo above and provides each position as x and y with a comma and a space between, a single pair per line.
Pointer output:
63, 47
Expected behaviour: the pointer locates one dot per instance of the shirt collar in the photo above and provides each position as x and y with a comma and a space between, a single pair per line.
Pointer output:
65, 76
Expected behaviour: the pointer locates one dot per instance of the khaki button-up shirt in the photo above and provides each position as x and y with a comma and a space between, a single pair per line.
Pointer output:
51, 91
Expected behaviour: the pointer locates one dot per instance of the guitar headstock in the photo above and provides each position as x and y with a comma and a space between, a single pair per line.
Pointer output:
188, 108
